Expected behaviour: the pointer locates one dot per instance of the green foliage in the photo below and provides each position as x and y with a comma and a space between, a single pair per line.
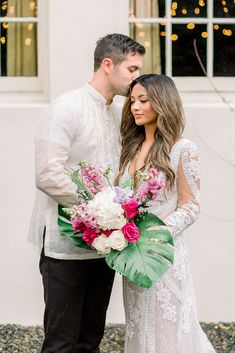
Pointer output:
145, 261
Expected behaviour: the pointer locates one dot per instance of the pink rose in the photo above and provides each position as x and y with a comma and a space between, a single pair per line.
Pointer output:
131, 208
131, 232
89, 235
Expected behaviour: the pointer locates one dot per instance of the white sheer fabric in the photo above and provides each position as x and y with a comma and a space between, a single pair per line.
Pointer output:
77, 126
163, 319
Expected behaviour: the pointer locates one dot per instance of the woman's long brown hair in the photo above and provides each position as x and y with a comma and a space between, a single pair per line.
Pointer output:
165, 100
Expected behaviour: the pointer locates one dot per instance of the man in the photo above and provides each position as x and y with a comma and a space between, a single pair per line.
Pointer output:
79, 125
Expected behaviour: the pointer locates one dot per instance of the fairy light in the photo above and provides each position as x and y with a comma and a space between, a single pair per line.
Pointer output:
141, 34
173, 13
184, 11
174, 37
191, 25
30, 26
204, 34
216, 27
202, 3
4, 7
139, 25
5, 25
162, 33
147, 44
174, 5
197, 10
224, 3
227, 32
225, 9
32, 5
3, 40
12, 10
28, 41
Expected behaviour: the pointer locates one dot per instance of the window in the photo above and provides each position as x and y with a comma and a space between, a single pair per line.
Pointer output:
185, 37
20, 62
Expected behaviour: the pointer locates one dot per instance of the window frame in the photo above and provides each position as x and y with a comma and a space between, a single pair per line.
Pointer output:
37, 84
191, 83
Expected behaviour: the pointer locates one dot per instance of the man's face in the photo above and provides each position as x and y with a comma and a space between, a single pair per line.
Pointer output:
124, 73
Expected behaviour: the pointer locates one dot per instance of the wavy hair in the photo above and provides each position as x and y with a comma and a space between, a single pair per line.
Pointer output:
165, 100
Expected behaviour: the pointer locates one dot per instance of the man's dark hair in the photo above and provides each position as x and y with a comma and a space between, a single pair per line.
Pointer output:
115, 46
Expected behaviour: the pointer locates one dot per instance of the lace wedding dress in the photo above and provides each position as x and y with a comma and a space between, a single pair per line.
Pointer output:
163, 319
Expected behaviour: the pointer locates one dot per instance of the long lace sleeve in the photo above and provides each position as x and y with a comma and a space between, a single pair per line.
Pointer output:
188, 191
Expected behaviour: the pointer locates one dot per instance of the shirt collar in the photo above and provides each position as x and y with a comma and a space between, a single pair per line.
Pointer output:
95, 94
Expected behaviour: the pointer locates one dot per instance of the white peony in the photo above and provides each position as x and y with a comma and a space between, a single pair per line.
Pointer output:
109, 213
117, 241
101, 244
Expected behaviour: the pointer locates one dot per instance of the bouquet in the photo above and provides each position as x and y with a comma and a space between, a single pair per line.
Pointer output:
115, 222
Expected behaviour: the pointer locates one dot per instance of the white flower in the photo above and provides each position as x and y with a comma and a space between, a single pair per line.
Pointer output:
101, 244
109, 213
117, 241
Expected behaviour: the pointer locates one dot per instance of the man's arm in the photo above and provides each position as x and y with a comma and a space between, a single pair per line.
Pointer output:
53, 143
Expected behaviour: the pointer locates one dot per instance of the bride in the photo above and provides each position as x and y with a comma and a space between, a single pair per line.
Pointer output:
162, 319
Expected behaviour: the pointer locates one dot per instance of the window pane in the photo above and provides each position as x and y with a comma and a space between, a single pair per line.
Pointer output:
152, 36
224, 50
224, 8
16, 8
189, 8
147, 8
184, 60
18, 49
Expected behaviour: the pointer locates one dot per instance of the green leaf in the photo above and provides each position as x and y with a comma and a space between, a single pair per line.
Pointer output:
145, 261
66, 229
80, 185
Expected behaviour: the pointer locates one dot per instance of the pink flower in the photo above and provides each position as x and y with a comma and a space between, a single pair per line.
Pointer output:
89, 235
131, 208
78, 226
131, 232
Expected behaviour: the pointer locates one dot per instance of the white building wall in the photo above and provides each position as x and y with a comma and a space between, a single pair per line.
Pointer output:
73, 30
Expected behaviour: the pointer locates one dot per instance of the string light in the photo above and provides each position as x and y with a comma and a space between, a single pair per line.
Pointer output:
30, 26
174, 37
174, 5
204, 34
197, 11
139, 25
12, 10
190, 25
32, 5
173, 13
5, 25
162, 33
184, 11
141, 34
4, 7
28, 41
227, 32
216, 27
147, 44
225, 9
224, 3
3, 40
202, 3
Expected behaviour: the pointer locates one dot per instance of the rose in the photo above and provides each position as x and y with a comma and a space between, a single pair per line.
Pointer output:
101, 244
131, 232
131, 208
117, 240
89, 235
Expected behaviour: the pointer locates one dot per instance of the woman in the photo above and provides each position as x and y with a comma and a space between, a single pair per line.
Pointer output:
162, 319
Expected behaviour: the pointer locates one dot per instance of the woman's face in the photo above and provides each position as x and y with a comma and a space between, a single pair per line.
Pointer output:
141, 108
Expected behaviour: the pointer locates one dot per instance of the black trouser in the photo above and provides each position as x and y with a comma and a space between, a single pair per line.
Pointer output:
76, 295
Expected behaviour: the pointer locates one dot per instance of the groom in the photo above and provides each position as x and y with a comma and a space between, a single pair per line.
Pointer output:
79, 125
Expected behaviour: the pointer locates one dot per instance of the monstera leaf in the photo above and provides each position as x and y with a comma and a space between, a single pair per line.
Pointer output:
66, 229
145, 261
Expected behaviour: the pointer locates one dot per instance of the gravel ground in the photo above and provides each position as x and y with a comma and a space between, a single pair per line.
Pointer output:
20, 339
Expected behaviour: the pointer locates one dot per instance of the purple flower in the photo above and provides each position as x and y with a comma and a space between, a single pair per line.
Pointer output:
122, 195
